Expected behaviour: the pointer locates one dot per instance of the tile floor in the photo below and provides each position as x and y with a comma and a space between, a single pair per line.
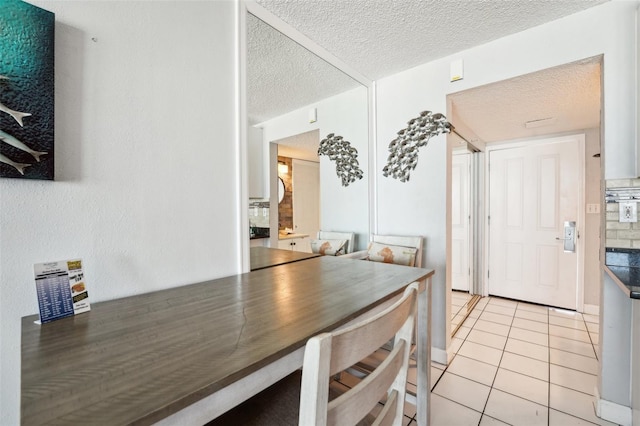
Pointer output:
459, 305
519, 364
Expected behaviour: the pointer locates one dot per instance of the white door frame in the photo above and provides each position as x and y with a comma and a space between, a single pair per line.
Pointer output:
581, 210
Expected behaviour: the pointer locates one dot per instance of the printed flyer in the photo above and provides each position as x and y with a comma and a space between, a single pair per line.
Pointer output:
61, 289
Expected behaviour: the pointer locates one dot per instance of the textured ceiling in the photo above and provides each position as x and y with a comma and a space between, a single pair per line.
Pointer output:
283, 76
569, 95
382, 37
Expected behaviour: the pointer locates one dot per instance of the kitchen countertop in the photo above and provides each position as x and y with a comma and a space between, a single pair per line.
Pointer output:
282, 236
623, 265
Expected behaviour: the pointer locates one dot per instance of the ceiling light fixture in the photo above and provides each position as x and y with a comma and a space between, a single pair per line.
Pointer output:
283, 168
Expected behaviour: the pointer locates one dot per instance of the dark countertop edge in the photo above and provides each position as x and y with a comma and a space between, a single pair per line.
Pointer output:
259, 237
624, 287
622, 250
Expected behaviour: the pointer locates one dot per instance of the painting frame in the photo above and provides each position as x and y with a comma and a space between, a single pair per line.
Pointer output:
27, 70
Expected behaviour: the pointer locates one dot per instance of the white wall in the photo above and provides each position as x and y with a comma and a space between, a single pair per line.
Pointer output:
341, 208
146, 168
418, 207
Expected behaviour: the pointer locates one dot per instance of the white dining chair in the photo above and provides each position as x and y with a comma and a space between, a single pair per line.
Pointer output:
329, 353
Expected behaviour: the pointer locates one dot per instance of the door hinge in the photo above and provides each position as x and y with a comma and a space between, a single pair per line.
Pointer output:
488, 275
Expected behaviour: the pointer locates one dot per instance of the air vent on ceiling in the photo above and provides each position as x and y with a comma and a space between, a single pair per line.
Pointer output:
540, 123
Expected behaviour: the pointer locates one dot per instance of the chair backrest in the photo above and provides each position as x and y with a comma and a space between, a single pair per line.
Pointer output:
330, 353
333, 235
405, 241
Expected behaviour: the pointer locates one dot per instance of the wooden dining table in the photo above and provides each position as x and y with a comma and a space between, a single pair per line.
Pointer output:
185, 355
266, 257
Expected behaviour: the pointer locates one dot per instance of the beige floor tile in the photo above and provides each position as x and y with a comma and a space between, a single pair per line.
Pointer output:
572, 402
481, 353
502, 302
533, 308
449, 413
569, 333
539, 327
463, 391
522, 386
527, 349
575, 361
456, 343
573, 346
490, 421
499, 309
492, 327
591, 318
572, 379
565, 313
533, 316
475, 313
472, 369
524, 365
463, 332
529, 336
595, 338
488, 339
557, 418
516, 411
469, 322
593, 327
497, 318
578, 324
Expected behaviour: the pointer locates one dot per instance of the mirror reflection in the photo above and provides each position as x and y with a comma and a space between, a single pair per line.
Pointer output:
294, 99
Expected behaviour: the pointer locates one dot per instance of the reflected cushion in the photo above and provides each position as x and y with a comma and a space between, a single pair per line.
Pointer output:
388, 253
328, 247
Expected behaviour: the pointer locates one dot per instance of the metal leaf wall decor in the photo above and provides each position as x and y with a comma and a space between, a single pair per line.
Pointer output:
403, 150
345, 156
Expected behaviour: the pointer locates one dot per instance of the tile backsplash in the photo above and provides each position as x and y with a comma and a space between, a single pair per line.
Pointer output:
259, 214
621, 234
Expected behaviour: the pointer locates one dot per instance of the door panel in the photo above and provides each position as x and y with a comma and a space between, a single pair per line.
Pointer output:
533, 189
460, 235
306, 197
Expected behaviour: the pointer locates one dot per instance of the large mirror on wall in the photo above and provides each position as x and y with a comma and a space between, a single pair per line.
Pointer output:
294, 100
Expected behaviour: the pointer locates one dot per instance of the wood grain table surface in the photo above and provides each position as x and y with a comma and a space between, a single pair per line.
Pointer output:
266, 257
139, 359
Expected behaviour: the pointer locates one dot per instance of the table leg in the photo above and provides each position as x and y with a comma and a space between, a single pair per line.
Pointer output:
424, 355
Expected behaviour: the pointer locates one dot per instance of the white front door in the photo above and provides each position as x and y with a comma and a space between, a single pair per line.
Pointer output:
306, 197
460, 217
533, 190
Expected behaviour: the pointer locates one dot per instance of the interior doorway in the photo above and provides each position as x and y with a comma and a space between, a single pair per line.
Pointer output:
555, 102
297, 165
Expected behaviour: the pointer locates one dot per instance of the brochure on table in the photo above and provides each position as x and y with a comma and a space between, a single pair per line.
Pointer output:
61, 289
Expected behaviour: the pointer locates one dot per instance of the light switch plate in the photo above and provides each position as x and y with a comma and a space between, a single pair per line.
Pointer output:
628, 212
593, 208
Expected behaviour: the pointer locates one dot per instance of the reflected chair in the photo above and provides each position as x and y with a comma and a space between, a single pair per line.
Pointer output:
329, 353
342, 242
404, 250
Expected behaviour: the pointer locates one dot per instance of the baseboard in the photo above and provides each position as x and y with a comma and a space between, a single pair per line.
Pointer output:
613, 412
441, 356
591, 309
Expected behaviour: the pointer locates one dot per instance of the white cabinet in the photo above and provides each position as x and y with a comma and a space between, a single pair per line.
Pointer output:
258, 182
259, 242
296, 243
